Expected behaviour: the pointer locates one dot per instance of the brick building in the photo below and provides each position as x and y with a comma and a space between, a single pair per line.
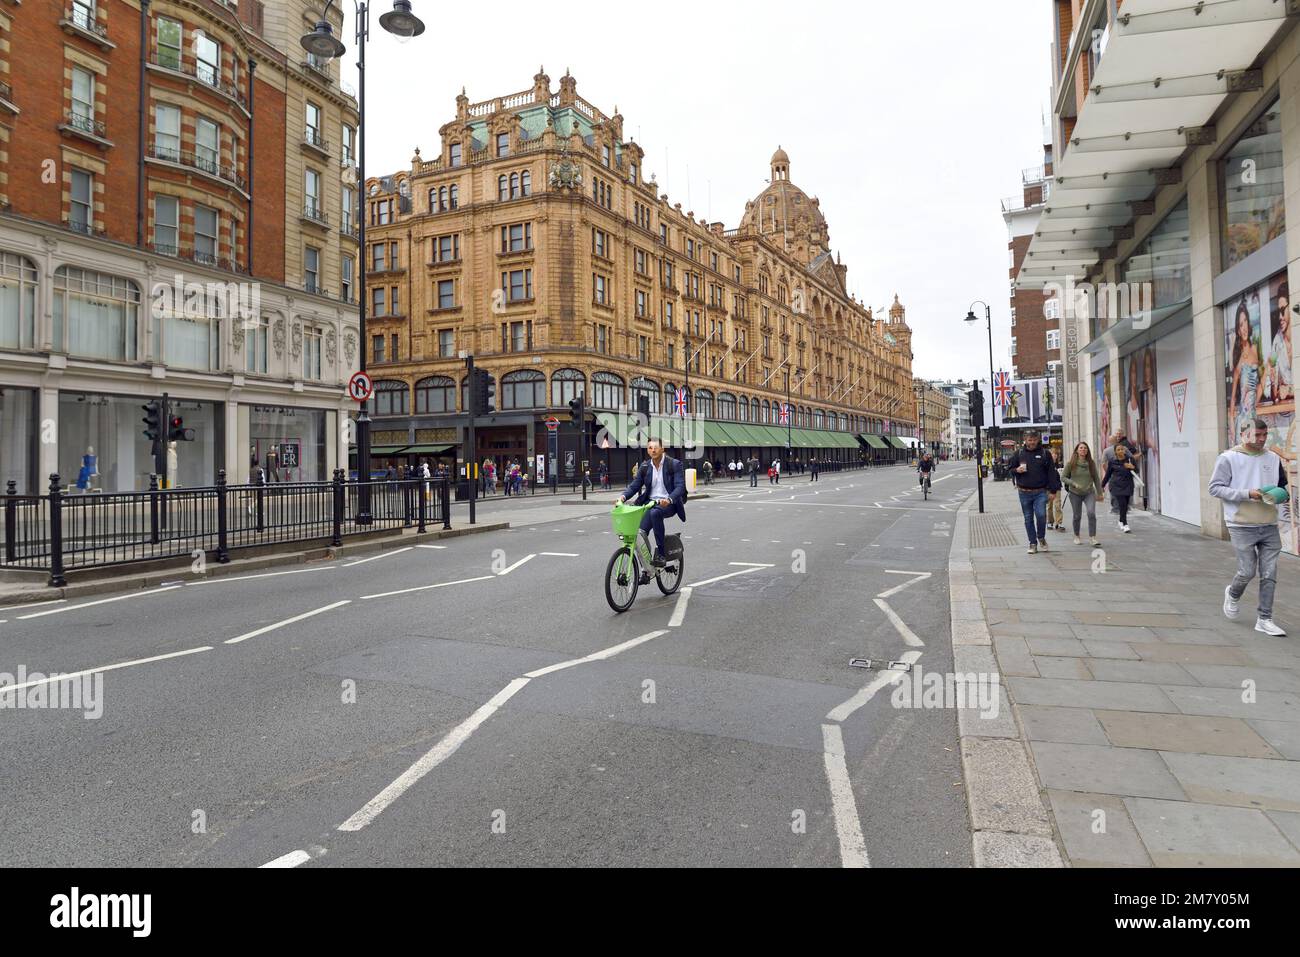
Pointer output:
534, 241
1035, 348
154, 157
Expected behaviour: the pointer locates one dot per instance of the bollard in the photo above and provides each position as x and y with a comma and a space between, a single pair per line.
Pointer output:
153, 509
56, 533
337, 539
11, 522
445, 494
419, 507
223, 544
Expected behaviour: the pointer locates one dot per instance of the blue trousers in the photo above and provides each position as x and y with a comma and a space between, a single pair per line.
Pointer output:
1033, 505
653, 520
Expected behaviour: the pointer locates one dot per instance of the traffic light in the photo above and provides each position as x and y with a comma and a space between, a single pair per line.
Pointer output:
575, 410
976, 400
153, 415
479, 382
176, 431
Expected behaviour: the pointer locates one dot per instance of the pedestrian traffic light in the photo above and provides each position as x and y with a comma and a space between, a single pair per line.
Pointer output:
575, 410
152, 420
976, 400
176, 431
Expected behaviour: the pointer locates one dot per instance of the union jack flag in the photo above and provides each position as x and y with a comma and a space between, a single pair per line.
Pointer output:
680, 402
785, 412
1002, 389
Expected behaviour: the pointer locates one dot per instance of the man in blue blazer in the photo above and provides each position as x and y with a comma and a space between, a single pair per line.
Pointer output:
662, 479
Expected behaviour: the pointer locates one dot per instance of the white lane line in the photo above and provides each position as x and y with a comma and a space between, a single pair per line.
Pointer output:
292, 859
744, 571
842, 712
908, 635
407, 591
431, 759
561, 554
431, 546
679, 612
35, 604
596, 656
288, 621
853, 846
244, 578
102, 601
507, 571
91, 671
918, 577
375, 558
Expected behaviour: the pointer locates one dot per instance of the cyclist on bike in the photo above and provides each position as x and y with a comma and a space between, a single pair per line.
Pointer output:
925, 467
662, 479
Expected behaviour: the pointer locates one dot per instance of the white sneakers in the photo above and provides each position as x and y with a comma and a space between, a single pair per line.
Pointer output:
1033, 549
1126, 529
1078, 540
1230, 608
1267, 626
1042, 546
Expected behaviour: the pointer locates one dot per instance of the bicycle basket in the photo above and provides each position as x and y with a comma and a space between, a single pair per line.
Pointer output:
673, 547
627, 519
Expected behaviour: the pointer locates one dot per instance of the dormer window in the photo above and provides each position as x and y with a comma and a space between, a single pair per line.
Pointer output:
454, 154
503, 144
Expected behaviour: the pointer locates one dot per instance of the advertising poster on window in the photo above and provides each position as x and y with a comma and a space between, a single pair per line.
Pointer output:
1260, 383
1140, 419
1101, 402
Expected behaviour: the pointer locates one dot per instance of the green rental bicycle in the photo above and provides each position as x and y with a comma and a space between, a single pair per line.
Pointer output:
631, 566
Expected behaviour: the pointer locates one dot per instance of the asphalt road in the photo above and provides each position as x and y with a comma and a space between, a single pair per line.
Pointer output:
405, 708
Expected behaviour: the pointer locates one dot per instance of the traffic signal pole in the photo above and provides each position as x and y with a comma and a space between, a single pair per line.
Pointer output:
472, 455
976, 401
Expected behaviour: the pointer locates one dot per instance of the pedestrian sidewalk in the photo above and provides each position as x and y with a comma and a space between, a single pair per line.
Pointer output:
1157, 732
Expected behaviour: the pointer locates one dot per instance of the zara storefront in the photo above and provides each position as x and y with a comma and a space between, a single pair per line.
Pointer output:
91, 330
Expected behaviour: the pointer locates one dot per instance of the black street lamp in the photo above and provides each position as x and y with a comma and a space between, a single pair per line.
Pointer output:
990, 407
322, 43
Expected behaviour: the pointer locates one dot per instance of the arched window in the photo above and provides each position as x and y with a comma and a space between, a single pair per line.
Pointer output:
437, 393
767, 413
744, 409
433, 200
17, 301
526, 183
649, 389
609, 391
514, 185
670, 398
95, 314
454, 196
726, 405
567, 384
392, 397
523, 389
442, 199
503, 188
704, 403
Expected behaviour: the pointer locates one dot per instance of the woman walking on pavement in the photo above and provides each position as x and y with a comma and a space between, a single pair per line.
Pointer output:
1119, 475
1083, 483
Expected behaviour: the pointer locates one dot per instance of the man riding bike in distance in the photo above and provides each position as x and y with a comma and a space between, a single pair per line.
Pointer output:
663, 480
925, 467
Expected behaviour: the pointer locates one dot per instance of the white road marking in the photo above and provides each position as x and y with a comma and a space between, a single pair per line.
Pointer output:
244, 578
431, 546
91, 671
853, 846
754, 566
841, 543
406, 591
842, 712
458, 735
679, 611
35, 604
595, 656
292, 859
919, 577
375, 558
507, 571
102, 601
900, 626
440, 752
561, 554
288, 621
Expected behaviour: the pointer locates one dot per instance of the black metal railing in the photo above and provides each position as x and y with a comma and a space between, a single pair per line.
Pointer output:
198, 161
84, 124
58, 532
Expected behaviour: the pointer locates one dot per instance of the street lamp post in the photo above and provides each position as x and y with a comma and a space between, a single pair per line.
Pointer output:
321, 42
990, 405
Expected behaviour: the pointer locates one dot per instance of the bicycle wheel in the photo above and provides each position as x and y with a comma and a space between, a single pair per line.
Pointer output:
622, 578
927, 489
670, 576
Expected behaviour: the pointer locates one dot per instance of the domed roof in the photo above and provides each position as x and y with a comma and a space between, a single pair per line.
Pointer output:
780, 156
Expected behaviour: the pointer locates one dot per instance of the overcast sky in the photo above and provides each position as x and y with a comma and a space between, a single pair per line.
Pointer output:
910, 120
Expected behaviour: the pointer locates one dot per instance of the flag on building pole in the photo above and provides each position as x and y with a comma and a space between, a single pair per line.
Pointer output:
680, 402
784, 413
1002, 389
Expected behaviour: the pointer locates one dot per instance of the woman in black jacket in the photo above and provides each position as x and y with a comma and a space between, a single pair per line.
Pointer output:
1119, 475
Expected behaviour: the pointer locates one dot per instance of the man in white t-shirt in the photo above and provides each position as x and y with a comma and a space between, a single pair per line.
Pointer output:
1251, 481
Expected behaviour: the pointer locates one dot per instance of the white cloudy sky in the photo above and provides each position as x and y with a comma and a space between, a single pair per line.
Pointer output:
910, 120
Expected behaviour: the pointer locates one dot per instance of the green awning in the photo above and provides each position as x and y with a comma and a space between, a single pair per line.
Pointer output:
847, 440
748, 434
897, 443
427, 449
715, 435
875, 441
382, 449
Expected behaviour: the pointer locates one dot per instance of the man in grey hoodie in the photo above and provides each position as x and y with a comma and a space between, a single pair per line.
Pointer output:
1251, 481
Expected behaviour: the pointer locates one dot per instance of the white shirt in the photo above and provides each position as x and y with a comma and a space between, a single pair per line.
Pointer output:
658, 489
